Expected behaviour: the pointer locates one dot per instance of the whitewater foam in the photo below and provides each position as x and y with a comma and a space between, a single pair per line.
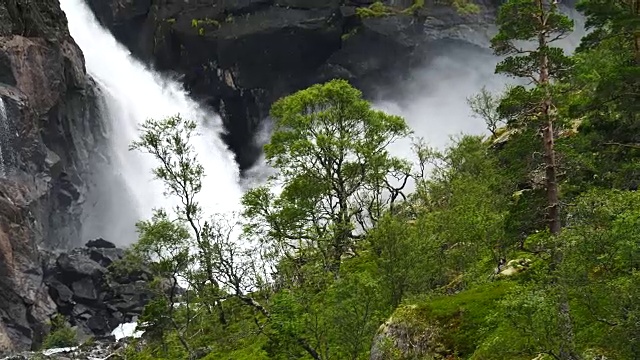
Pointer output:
133, 93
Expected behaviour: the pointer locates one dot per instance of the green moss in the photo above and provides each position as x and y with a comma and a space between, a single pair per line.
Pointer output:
466, 6
377, 9
170, 20
348, 35
417, 5
464, 319
199, 24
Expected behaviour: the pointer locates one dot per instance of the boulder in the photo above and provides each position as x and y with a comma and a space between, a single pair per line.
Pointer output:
77, 266
106, 257
60, 292
100, 244
514, 267
430, 328
84, 290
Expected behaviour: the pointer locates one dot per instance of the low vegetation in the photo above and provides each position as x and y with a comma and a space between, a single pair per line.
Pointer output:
379, 9
61, 334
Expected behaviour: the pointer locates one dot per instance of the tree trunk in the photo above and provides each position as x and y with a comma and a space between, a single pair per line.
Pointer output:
637, 46
548, 117
567, 351
636, 35
551, 182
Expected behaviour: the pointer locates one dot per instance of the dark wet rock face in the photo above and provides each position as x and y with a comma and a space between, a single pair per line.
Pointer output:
87, 293
48, 139
241, 56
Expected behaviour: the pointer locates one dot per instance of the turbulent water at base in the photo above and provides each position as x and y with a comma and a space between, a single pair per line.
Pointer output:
132, 93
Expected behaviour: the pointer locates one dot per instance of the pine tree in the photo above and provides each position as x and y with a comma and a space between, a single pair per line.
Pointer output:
527, 30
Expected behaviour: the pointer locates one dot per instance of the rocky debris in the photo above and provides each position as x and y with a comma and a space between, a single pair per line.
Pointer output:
99, 348
49, 136
240, 56
87, 293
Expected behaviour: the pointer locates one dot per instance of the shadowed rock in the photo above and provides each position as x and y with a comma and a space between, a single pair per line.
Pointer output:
89, 295
240, 56
100, 244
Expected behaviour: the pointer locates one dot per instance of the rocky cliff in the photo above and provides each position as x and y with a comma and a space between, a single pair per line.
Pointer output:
47, 140
239, 56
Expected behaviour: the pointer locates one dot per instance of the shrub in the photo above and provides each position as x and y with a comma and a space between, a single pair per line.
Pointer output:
61, 335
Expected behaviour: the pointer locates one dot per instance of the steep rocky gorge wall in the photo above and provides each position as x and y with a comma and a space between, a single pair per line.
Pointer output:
239, 56
49, 133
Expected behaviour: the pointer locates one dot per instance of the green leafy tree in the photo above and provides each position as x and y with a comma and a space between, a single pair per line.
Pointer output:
201, 252
330, 150
337, 179
601, 268
164, 245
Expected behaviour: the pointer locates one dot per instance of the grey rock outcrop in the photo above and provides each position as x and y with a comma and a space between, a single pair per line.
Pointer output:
48, 137
88, 294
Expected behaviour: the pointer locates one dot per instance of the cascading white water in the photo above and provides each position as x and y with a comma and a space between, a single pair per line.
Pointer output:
133, 94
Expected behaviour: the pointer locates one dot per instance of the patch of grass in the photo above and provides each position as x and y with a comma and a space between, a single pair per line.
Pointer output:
378, 9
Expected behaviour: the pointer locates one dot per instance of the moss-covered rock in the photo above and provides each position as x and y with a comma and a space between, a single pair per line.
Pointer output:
443, 327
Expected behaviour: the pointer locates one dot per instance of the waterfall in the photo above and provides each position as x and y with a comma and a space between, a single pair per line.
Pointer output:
133, 93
